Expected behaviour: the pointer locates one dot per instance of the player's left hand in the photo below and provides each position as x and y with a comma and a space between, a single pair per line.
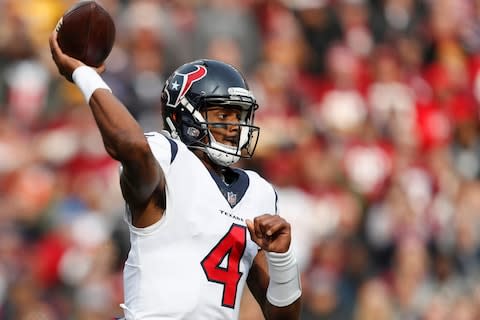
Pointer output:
270, 232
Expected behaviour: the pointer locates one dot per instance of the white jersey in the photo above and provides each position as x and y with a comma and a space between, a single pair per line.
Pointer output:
193, 263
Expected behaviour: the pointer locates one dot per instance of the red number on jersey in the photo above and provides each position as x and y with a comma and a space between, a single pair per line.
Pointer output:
232, 245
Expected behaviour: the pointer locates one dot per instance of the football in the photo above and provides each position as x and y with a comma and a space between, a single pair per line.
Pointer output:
86, 32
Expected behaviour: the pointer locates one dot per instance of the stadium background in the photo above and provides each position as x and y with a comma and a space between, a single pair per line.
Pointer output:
369, 117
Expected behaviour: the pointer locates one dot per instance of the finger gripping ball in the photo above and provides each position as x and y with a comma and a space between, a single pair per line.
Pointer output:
86, 32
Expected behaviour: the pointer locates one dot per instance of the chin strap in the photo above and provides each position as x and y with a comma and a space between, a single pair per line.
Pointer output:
173, 131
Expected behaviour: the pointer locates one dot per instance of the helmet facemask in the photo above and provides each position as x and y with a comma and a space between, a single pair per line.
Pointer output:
195, 130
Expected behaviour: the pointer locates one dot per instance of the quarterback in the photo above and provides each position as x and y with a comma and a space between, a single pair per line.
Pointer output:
200, 230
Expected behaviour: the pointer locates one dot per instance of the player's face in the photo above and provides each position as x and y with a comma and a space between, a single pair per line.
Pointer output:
225, 128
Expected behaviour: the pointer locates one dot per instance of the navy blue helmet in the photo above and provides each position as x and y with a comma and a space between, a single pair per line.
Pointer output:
198, 85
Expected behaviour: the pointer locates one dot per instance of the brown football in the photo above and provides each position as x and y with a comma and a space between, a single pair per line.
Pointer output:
86, 32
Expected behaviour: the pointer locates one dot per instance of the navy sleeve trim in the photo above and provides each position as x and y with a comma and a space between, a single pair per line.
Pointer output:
276, 200
173, 149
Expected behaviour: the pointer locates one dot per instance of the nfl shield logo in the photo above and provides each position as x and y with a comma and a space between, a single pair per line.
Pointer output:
231, 198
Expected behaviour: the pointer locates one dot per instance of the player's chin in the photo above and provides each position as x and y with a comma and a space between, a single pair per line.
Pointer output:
230, 144
231, 141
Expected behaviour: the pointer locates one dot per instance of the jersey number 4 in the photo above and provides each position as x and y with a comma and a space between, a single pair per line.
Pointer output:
230, 249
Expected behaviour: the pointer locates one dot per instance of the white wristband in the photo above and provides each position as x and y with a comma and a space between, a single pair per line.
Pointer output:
88, 80
284, 287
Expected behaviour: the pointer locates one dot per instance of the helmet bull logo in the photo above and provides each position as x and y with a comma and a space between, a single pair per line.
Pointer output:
181, 83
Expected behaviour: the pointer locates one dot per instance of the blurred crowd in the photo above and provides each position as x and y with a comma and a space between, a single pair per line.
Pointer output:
369, 131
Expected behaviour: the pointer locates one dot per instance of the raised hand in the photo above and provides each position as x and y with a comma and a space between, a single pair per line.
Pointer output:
66, 64
270, 232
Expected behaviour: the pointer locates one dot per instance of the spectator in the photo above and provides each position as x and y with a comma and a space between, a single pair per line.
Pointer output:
369, 112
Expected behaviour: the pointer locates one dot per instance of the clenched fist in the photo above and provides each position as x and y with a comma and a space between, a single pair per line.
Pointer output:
270, 232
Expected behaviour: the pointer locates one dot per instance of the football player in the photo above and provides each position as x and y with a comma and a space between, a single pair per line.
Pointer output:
200, 230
